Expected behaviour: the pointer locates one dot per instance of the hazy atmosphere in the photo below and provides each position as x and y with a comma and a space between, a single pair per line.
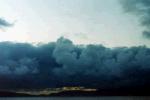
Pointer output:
112, 23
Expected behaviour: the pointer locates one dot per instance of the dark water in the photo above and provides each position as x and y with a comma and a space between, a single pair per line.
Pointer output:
75, 98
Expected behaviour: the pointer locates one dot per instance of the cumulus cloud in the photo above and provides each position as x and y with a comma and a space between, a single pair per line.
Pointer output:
4, 23
141, 8
63, 63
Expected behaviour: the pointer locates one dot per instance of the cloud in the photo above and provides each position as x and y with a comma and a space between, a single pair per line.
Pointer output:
4, 23
63, 63
140, 8
146, 34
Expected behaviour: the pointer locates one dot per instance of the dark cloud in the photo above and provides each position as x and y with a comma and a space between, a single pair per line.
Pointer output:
4, 23
141, 8
62, 63
146, 34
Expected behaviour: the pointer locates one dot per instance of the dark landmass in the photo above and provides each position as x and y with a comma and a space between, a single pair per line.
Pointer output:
12, 94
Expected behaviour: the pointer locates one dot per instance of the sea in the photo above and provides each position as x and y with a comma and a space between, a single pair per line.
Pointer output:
78, 98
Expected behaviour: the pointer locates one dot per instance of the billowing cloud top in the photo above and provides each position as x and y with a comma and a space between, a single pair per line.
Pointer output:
62, 63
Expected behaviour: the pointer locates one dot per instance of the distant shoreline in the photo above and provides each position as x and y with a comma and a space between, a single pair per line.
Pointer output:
79, 94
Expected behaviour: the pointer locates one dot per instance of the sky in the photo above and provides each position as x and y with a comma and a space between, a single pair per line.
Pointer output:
82, 21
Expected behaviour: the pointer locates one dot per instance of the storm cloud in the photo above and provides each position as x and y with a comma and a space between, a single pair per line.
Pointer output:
146, 34
4, 23
140, 8
63, 63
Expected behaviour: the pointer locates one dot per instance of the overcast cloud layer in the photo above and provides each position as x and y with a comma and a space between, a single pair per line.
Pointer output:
62, 63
